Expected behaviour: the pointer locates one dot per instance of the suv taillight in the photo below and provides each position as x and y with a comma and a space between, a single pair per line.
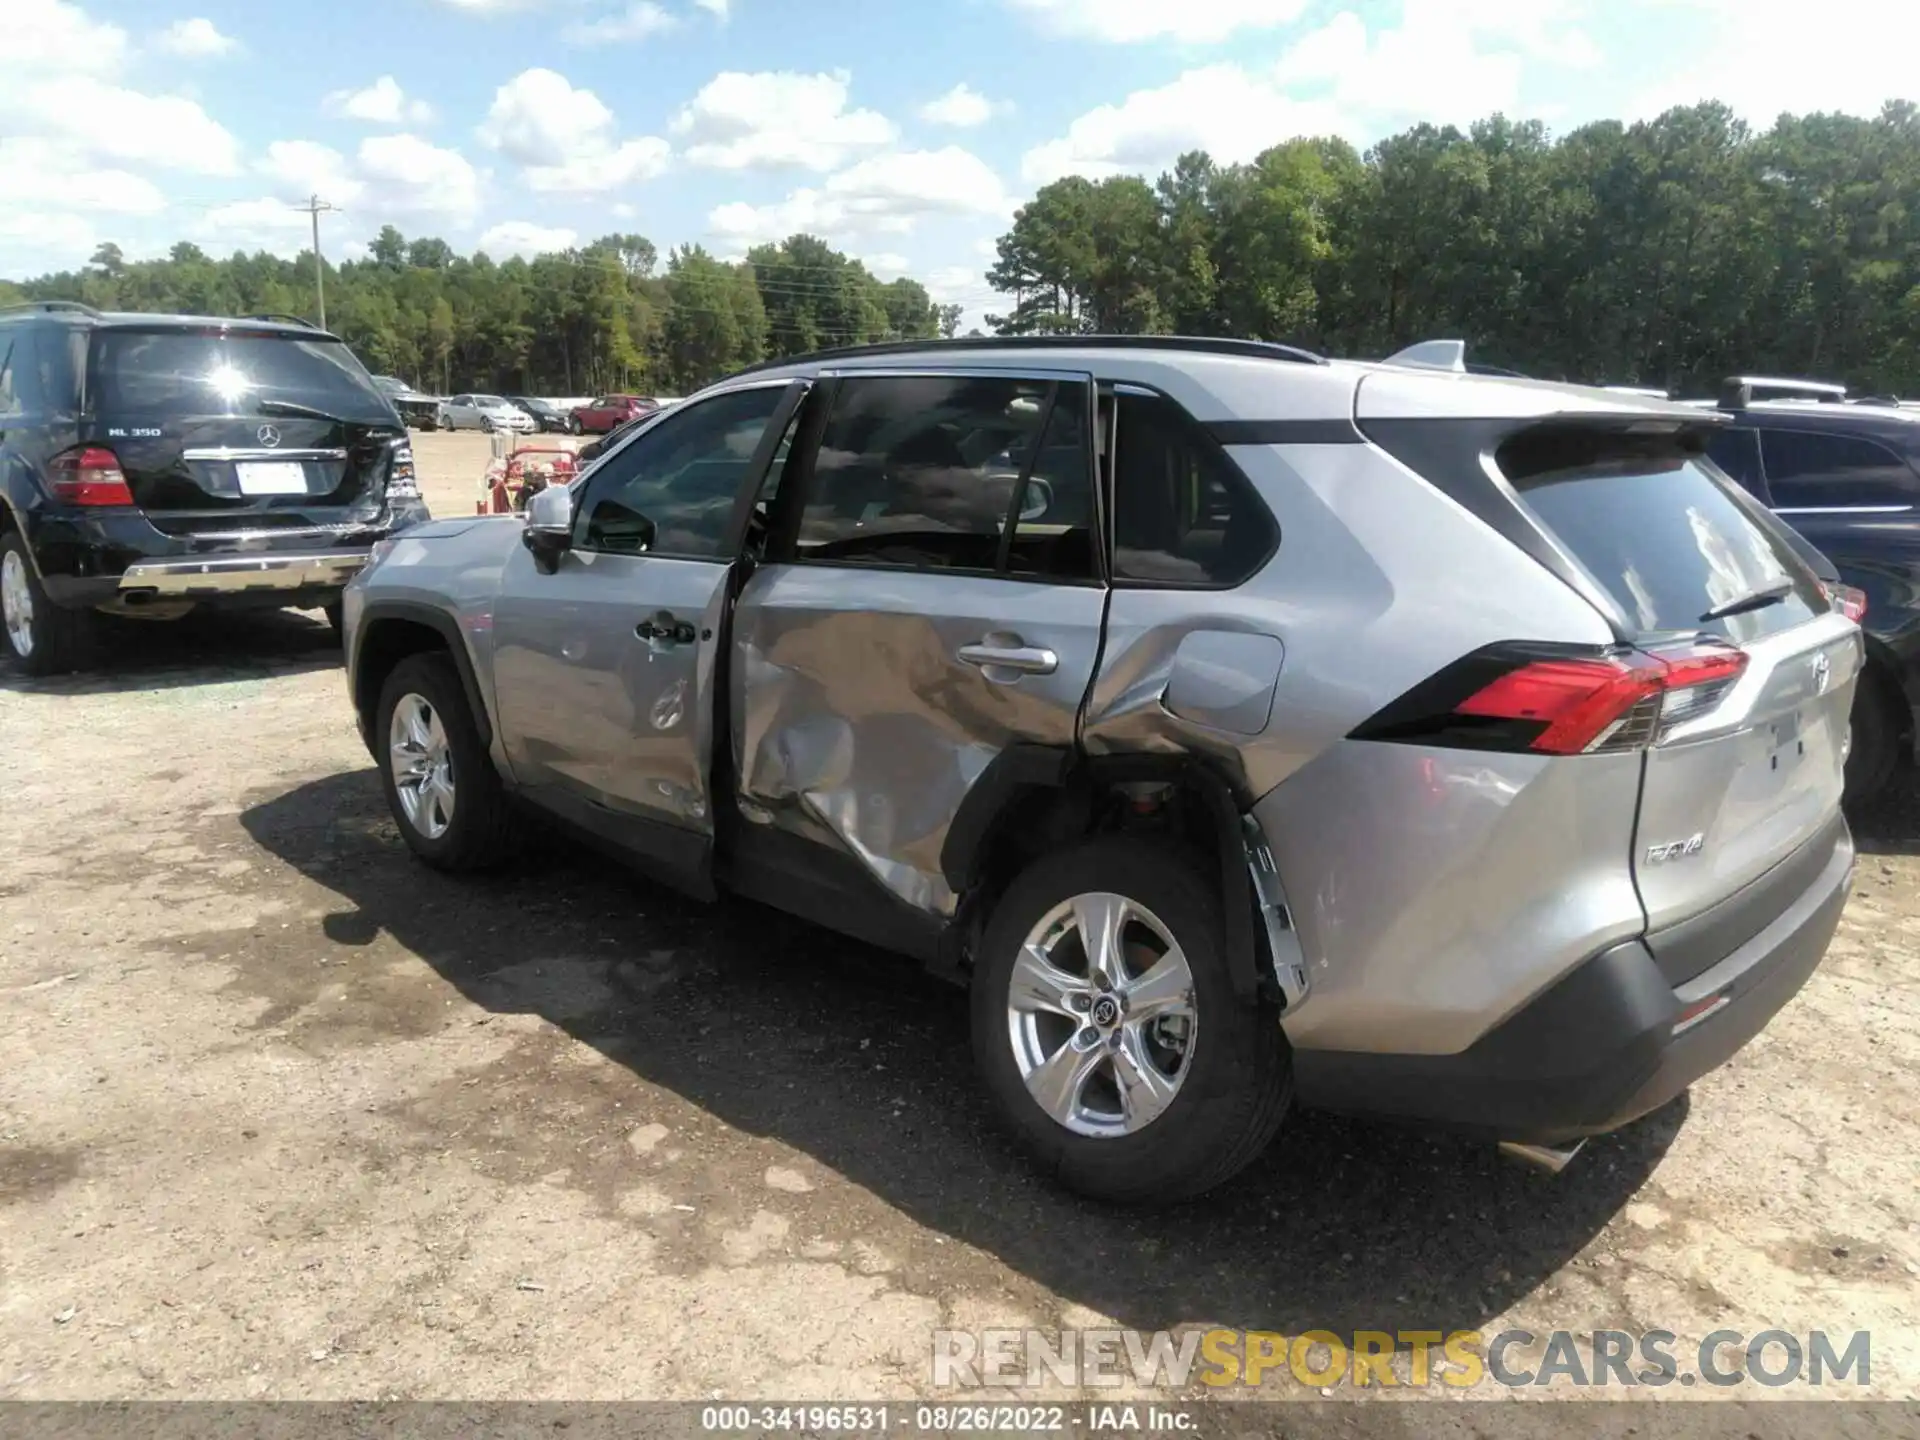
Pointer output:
1848, 601
1516, 698
89, 475
402, 482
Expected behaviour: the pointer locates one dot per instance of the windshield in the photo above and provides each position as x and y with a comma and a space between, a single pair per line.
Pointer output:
490, 402
210, 372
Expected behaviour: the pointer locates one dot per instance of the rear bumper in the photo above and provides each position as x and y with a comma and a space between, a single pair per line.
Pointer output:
1601, 1047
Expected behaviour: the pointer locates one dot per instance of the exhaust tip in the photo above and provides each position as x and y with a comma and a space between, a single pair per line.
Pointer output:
1550, 1158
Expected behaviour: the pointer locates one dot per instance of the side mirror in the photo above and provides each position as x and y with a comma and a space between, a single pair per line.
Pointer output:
549, 531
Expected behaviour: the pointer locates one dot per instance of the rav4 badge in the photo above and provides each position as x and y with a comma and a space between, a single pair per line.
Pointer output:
1676, 850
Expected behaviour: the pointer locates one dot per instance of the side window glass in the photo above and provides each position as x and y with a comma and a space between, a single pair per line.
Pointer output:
23, 390
925, 472
1738, 453
1182, 513
9, 404
671, 491
1806, 470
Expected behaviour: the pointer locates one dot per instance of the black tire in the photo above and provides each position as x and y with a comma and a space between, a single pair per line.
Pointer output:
335, 620
1239, 1084
480, 831
57, 640
573, 424
1874, 757
486, 425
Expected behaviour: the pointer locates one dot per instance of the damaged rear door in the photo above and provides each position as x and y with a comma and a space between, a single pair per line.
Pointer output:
932, 597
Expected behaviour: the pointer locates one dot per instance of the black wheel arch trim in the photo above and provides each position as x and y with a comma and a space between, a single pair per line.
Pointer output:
443, 624
1023, 767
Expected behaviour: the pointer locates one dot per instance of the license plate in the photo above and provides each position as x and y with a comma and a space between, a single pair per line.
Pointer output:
275, 477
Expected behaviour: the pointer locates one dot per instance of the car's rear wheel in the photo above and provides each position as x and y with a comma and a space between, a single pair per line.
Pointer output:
1874, 756
440, 783
1107, 1029
40, 637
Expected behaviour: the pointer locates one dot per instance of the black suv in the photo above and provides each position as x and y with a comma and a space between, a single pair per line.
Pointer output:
152, 464
1845, 475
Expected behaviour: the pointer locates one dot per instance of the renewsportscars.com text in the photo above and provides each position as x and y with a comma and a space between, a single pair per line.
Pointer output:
1457, 1359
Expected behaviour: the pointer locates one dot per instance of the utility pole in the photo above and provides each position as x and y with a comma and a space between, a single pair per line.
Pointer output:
314, 206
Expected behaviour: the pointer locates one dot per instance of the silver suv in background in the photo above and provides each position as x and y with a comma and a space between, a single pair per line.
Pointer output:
1245, 729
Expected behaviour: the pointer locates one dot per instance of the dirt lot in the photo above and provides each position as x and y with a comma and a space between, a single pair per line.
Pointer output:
283, 1114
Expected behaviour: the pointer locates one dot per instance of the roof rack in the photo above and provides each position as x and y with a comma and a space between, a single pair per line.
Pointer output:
1739, 391
283, 318
50, 306
1196, 344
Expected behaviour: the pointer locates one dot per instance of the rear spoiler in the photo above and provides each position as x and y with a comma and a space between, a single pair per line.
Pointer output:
1447, 355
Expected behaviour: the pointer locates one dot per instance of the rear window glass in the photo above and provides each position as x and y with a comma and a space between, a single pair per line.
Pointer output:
197, 372
1659, 531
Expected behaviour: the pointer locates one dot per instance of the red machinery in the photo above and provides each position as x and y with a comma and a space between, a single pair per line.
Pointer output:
525, 471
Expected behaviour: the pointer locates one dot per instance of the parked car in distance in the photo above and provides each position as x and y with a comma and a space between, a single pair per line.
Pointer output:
1507, 802
546, 418
610, 412
417, 409
1847, 477
482, 412
155, 464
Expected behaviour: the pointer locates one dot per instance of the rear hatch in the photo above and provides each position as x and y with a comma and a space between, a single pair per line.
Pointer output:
229, 430
1746, 741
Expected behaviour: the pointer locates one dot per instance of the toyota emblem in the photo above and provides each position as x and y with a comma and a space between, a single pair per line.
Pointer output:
268, 435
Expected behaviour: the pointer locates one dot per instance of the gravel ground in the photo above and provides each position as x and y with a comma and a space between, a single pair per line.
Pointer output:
284, 1114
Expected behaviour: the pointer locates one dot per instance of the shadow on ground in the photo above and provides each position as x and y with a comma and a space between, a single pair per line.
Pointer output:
1890, 824
198, 649
783, 1030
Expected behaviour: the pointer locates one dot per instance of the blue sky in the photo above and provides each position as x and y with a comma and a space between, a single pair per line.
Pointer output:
903, 131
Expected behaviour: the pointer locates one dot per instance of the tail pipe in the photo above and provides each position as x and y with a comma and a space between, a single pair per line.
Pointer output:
1550, 1158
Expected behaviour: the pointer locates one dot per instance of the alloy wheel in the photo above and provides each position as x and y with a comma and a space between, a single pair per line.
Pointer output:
16, 602
422, 762
1101, 1015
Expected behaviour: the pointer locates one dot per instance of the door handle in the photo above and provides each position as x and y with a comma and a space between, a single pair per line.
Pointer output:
1027, 659
666, 627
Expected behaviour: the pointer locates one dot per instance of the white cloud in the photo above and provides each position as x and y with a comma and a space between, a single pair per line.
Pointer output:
523, 237
887, 266
31, 244
778, 119
1446, 61
195, 39
1131, 21
47, 33
406, 175
714, 7
565, 138
36, 175
115, 123
639, 20
963, 106
884, 194
389, 178
1221, 109
381, 103
1850, 56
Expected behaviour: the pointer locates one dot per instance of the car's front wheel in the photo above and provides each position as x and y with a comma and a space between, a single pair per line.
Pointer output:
40, 637
440, 783
1108, 1031
573, 424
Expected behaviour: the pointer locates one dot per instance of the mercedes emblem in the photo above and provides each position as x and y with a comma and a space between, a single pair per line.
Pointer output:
268, 435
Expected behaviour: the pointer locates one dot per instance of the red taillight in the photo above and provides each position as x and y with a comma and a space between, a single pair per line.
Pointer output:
1848, 601
1612, 702
89, 475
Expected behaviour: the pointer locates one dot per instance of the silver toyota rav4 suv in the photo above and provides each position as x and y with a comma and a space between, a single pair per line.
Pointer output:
1245, 729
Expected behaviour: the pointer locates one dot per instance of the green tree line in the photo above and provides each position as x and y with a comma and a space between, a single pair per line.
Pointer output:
607, 316
1671, 252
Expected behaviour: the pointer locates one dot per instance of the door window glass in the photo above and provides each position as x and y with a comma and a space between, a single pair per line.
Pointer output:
1182, 513
987, 474
675, 485
1806, 470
